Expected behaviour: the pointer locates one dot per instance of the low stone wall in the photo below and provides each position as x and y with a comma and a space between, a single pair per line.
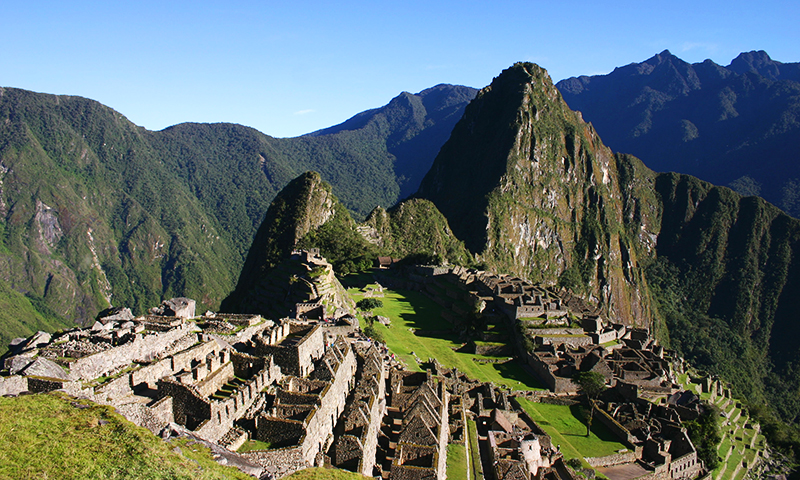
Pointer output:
563, 401
117, 388
613, 459
150, 374
555, 331
13, 385
43, 384
278, 462
153, 418
571, 341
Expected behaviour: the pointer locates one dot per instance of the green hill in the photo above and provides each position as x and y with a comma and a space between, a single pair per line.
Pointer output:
95, 210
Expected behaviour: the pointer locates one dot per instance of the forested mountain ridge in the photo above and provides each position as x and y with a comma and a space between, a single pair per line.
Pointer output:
96, 210
737, 125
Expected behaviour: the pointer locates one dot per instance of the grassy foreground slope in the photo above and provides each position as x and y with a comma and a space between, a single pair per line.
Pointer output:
58, 437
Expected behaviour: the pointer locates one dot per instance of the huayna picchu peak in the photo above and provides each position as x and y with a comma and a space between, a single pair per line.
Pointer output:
532, 190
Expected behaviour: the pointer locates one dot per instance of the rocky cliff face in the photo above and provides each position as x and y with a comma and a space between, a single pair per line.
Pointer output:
532, 190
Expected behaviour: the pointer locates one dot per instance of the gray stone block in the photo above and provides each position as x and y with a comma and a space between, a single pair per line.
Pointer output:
42, 367
18, 363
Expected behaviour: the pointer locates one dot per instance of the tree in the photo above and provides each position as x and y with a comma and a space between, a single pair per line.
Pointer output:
592, 384
369, 304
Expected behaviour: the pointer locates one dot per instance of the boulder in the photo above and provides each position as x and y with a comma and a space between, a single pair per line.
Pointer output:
42, 367
118, 314
17, 363
39, 339
17, 344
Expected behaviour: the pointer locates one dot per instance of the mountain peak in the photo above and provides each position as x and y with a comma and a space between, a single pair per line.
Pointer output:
756, 61
524, 182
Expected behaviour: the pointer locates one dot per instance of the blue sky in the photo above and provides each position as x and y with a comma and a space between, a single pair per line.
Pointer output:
292, 69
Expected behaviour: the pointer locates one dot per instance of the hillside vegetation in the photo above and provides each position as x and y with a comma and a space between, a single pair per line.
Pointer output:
55, 436
95, 210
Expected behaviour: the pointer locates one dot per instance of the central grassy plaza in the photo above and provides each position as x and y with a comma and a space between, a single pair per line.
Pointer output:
418, 332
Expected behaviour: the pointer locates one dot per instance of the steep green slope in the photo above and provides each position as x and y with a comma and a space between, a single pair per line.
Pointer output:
415, 228
737, 125
91, 214
728, 271
531, 190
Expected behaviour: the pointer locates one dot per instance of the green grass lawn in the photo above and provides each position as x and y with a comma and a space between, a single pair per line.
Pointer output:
456, 462
324, 474
413, 310
567, 430
55, 436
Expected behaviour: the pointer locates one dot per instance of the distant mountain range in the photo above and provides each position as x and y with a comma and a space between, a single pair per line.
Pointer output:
737, 126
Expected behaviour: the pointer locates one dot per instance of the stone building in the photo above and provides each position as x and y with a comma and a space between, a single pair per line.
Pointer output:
301, 413
420, 402
294, 346
357, 436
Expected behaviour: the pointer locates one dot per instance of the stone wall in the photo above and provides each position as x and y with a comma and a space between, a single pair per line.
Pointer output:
493, 350
189, 359
150, 374
687, 466
554, 382
118, 388
42, 384
296, 356
574, 342
280, 432
153, 418
616, 428
613, 459
189, 408
223, 413
13, 385
279, 462
144, 347
213, 382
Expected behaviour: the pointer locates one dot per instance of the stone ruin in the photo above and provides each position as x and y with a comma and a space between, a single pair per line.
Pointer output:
291, 394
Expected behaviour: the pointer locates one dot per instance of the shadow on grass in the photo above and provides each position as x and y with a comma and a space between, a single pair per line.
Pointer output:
356, 280
598, 428
514, 371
